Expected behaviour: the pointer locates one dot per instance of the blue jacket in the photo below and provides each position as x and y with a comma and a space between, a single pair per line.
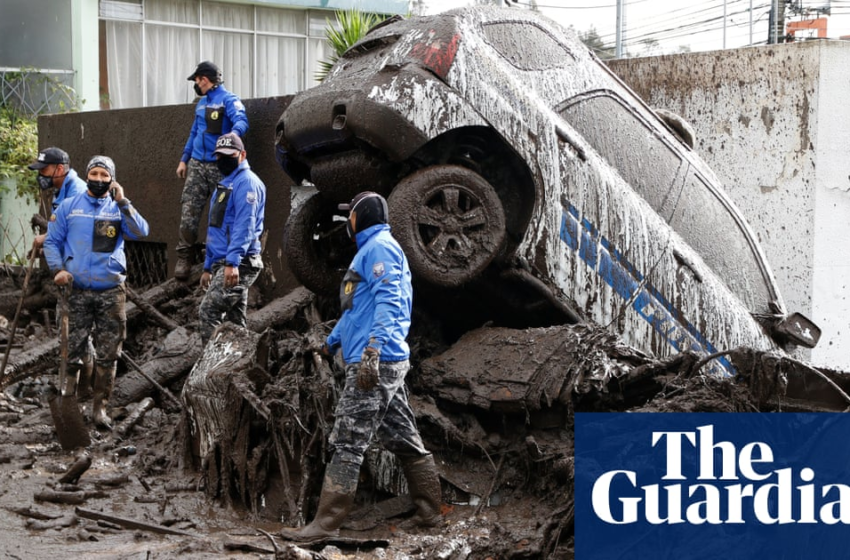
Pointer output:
71, 186
218, 112
377, 299
85, 236
237, 213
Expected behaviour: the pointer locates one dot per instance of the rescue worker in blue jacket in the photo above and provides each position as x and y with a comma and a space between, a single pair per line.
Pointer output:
56, 181
233, 260
217, 112
377, 298
85, 252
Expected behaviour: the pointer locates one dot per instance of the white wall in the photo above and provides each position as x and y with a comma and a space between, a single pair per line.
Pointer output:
84, 33
774, 124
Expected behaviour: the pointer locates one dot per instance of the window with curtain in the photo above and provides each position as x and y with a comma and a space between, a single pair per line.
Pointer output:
262, 51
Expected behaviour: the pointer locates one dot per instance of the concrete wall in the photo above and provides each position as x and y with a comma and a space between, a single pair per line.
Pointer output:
146, 145
773, 124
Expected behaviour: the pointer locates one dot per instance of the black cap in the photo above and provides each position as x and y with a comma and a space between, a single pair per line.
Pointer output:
49, 156
366, 209
208, 69
229, 144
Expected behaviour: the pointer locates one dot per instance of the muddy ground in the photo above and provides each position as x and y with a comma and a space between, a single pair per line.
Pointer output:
494, 405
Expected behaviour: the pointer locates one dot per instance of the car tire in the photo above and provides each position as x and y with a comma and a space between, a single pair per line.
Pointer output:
317, 248
450, 222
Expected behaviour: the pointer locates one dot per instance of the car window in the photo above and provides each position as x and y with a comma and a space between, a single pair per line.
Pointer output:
709, 227
527, 46
628, 145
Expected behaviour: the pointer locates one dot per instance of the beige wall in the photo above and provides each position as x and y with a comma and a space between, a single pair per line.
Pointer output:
773, 124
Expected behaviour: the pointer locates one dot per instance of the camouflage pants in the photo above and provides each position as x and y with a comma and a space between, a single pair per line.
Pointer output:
100, 315
383, 412
228, 304
201, 180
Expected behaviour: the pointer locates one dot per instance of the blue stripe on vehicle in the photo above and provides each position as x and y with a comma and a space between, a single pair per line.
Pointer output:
626, 281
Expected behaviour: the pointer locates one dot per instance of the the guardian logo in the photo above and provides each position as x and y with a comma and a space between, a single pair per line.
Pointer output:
746, 481
708, 486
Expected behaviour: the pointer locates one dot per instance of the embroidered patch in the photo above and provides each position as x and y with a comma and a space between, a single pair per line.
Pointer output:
53, 217
214, 115
378, 270
251, 198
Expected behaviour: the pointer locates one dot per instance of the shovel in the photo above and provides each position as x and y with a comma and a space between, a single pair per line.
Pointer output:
64, 408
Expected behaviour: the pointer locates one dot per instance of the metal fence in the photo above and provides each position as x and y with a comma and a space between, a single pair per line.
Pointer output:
35, 92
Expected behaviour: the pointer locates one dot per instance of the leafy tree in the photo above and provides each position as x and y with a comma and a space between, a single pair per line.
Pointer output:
350, 26
592, 39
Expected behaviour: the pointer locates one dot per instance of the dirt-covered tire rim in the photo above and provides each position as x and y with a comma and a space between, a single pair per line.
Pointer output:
317, 249
450, 222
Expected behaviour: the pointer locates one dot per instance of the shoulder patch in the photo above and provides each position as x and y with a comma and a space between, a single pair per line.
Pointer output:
378, 269
53, 217
238, 104
251, 198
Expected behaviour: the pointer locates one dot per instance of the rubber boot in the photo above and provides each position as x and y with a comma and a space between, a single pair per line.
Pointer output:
86, 378
425, 490
184, 264
103, 381
335, 502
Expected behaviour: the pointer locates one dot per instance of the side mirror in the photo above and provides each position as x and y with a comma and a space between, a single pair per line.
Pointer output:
798, 329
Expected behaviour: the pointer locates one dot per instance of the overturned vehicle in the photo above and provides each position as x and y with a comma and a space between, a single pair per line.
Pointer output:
516, 163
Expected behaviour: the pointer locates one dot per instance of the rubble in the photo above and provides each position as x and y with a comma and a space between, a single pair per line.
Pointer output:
245, 454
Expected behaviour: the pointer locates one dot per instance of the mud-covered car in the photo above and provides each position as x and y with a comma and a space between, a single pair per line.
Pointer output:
512, 157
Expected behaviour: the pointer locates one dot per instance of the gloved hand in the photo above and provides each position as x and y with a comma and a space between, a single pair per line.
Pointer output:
367, 377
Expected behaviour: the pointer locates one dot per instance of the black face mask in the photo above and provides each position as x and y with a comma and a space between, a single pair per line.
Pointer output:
98, 188
227, 165
44, 182
198, 90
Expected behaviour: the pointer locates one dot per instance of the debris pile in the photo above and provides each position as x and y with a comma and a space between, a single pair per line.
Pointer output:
243, 451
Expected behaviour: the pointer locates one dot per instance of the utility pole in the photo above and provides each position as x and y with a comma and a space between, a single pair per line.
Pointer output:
724, 24
621, 16
751, 23
776, 33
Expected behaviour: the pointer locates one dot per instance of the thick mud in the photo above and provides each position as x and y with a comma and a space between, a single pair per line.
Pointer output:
245, 454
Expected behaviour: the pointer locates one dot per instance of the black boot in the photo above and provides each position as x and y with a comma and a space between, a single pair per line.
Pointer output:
104, 379
184, 264
425, 490
337, 499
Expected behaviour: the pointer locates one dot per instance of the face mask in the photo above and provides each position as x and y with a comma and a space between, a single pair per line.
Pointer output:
227, 165
98, 188
198, 90
44, 182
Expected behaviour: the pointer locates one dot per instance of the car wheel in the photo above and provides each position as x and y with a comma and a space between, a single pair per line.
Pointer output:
317, 248
450, 222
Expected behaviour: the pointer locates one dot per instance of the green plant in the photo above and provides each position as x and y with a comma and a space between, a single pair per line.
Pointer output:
18, 149
351, 25
19, 109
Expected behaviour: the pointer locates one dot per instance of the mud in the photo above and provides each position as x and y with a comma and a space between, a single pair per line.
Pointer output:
245, 455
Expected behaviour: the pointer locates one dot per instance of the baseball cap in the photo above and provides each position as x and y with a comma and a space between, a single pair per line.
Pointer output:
49, 156
208, 69
229, 144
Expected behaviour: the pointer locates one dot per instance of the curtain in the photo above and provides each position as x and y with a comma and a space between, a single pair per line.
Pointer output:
233, 53
123, 53
281, 65
148, 62
165, 70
